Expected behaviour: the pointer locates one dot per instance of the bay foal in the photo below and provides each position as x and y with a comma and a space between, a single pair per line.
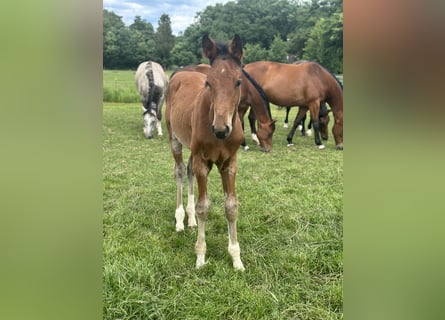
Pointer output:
201, 113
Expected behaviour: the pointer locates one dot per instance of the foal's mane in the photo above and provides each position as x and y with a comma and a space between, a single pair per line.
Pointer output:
223, 52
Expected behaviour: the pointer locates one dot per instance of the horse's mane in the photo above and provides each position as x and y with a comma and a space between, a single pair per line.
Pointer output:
151, 86
260, 90
333, 75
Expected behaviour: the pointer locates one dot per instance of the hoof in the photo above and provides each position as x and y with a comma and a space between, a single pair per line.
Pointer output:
246, 148
309, 133
285, 126
321, 147
238, 266
200, 262
290, 144
339, 147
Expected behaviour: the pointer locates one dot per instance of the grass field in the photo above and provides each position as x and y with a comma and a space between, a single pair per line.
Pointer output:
289, 228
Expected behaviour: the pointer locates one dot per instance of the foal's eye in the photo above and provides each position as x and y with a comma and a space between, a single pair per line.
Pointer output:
238, 83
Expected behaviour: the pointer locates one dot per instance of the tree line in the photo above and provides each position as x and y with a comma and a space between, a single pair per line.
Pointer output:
275, 30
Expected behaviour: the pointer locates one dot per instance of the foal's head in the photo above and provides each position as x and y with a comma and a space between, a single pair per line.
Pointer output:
223, 82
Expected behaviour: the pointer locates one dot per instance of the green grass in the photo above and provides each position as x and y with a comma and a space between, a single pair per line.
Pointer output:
289, 229
118, 86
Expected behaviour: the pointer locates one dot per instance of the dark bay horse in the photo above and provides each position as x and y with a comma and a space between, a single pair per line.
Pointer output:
252, 95
306, 85
323, 118
201, 115
151, 82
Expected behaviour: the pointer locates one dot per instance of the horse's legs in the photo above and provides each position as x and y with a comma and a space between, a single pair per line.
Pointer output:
228, 173
191, 195
241, 112
286, 120
337, 129
176, 148
158, 115
302, 124
201, 170
252, 123
314, 110
301, 113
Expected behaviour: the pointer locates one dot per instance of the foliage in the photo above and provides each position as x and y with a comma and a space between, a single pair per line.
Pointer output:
279, 30
289, 228
325, 41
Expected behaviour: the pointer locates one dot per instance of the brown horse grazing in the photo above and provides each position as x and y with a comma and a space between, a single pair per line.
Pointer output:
306, 85
251, 95
201, 113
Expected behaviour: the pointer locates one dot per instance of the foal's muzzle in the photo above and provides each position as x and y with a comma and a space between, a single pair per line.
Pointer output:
221, 134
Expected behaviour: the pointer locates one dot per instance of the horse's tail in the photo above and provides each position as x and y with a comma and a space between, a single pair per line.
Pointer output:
261, 92
151, 86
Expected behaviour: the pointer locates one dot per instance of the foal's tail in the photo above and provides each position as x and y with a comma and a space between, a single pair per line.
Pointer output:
151, 87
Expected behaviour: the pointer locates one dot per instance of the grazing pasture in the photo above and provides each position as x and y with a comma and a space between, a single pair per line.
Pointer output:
289, 228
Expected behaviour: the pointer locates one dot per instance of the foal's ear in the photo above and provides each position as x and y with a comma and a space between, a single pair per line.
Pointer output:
236, 47
208, 47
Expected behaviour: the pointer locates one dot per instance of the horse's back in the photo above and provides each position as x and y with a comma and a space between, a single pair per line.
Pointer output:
183, 90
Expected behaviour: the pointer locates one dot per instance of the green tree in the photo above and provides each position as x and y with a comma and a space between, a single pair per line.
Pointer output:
142, 41
165, 40
278, 50
113, 28
181, 55
254, 52
325, 43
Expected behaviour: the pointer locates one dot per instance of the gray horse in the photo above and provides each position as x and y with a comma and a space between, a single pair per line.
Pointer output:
151, 82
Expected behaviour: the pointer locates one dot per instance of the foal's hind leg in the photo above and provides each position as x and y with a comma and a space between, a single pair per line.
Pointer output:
179, 170
191, 195
201, 170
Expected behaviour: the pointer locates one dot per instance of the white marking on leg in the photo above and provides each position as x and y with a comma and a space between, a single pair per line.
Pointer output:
179, 215
299, 127
246, 148
202, 209
255, 138
159, 127
290, 144
234, 251
321, 147
309, 132
191, 210
285, 125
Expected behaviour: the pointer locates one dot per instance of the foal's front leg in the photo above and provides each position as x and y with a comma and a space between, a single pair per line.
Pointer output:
228, 173
201, 171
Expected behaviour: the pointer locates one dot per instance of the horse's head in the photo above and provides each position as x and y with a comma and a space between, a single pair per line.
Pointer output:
264, 133
324, 121
223, 82
150, 121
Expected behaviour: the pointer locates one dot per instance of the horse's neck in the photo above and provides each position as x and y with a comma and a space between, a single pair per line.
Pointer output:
259, 106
